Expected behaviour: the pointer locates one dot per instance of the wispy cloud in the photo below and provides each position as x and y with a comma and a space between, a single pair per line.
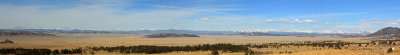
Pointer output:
204, 19
376, 21
298, 21
369, 25
209, 9
327, 14
274, 30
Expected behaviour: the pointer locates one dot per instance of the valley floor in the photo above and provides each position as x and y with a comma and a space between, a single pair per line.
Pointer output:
70, 41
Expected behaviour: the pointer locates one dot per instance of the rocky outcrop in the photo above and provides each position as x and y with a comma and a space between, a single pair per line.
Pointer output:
169, 35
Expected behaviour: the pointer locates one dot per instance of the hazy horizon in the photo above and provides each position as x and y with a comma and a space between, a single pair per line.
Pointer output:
206, 15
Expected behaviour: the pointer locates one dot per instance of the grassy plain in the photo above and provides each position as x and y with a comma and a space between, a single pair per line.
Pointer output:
69, 41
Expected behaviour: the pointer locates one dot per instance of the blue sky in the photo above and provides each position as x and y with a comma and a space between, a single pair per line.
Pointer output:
328, 16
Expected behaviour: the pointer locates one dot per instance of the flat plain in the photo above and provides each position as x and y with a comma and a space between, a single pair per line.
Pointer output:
69, 41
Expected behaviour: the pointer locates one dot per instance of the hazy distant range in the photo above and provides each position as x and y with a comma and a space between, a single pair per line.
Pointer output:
272, 33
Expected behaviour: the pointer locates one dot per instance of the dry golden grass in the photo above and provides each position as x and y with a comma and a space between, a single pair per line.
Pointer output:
342, 52
350, 50
68, 41
171, 53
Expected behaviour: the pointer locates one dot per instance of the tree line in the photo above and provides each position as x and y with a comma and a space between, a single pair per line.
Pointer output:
149, 49
34, 51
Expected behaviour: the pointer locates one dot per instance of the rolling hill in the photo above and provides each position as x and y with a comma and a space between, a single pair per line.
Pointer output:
386, 32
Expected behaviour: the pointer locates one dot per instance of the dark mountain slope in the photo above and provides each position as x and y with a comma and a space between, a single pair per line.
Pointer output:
386, 32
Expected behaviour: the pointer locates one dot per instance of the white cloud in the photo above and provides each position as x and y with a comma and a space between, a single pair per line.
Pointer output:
277, 20
395, 23
327, 14
204, 19
298, 30
298, 21
368, 25
309, 21
199, 9
376, 21
344, 31
350, 26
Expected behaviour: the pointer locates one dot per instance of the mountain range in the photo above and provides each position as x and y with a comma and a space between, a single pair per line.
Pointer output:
21, 32
386, 32
272, 33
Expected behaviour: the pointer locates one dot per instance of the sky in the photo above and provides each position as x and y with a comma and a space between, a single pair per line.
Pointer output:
325, 16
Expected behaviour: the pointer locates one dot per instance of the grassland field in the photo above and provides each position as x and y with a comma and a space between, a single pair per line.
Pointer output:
68, 41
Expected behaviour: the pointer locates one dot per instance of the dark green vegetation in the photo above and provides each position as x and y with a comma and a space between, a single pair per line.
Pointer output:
6, 41
224, 47
16, 33
164, 49
22, 51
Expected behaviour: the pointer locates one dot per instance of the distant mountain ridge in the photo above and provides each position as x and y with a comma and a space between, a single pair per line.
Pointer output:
260, 34
169, 35
20, 32
272, 33
386, 32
